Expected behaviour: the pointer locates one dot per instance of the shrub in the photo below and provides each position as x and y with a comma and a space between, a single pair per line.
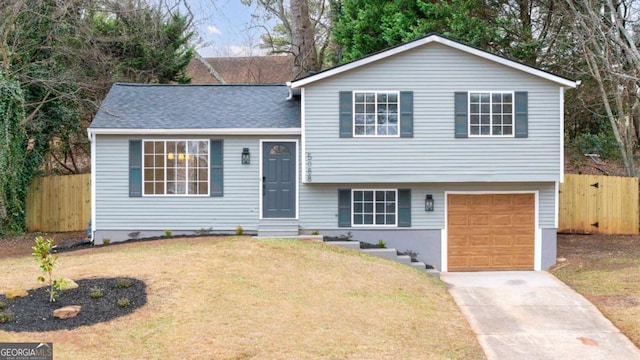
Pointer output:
602, 144
412, 253
382, 244
106, 241
239, 230
96, 292
3, 305
43, 254
7, 316
123, 283
315, 232
124, 303
203, 231
168, 233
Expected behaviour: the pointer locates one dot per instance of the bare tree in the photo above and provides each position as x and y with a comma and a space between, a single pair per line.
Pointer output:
303, 31
605, 32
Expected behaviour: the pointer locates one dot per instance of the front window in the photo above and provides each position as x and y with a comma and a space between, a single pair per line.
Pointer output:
375, 207
176, 167
375, 113
491, 114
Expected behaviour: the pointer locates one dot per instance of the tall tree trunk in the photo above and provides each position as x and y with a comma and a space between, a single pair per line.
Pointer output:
303, 44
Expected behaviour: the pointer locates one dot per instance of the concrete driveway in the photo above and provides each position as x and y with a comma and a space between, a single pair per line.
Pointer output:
533, 315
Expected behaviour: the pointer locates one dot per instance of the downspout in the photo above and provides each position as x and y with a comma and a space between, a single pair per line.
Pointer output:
290, 96
92, 223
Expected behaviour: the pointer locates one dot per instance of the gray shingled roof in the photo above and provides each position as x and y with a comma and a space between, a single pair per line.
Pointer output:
153, 106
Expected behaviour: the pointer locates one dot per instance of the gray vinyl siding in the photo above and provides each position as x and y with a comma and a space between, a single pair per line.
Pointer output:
319, 202
115, 210
433, 72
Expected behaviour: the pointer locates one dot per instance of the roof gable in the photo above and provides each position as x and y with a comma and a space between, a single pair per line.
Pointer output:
432, 38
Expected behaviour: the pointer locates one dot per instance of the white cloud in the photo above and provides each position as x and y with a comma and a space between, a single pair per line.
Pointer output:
244, 50
213, 30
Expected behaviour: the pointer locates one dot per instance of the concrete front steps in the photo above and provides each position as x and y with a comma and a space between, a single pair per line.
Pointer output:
278, 228
386, 253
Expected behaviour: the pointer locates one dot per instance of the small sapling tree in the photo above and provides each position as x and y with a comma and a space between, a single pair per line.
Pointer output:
43, 254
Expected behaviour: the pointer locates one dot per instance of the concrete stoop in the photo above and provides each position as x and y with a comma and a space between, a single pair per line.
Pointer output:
278, 228
386, 253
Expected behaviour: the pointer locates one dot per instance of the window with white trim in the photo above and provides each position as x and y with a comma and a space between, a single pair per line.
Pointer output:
375, 113
491, 114
176, 167
375, 207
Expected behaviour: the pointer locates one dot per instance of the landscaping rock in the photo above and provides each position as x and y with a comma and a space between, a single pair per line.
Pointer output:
67, 312
69, 284
16, 293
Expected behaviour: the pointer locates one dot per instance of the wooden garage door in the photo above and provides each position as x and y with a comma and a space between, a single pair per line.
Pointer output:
490, 232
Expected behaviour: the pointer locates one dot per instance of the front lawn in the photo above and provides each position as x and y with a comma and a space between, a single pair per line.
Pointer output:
606, 270
239, 298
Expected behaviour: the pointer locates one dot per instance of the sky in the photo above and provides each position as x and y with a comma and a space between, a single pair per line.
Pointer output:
226, 28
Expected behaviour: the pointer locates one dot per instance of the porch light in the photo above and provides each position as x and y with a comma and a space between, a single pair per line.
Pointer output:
246, 156
428, 203
170, 156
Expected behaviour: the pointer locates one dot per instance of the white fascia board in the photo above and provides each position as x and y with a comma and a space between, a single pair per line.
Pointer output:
437, 39
228, 131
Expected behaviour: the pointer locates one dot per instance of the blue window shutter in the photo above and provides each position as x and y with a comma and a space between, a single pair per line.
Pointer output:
346, 114
344, 207
522, 116
406, 114
135, 168
461, 115
215, 168
404, 207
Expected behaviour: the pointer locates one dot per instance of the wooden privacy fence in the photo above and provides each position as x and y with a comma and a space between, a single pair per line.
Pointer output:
598, 204
59, 203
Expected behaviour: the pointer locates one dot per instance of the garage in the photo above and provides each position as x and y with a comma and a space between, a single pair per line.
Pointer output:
490, 232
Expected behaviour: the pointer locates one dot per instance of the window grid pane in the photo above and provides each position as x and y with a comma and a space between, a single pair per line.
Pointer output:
491, 114
176, 167
374, 207
375, 114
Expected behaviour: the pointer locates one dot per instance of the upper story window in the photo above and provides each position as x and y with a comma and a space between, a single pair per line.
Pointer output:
375, 113
176, 167
491, 114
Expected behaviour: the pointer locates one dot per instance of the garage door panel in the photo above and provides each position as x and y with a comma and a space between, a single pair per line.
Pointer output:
523, 240
500, 199
458, 201
523, 220
503, 240
480, 241
479, 220
480, 261
490, 231
522, 262
479, 200
458, 220
500, 220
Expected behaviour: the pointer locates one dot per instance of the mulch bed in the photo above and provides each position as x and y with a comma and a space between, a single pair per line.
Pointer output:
34, 313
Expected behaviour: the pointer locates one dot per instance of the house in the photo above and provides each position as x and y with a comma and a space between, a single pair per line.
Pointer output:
433, 146
273, 69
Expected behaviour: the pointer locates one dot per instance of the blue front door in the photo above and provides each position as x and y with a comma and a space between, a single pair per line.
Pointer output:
278, 179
